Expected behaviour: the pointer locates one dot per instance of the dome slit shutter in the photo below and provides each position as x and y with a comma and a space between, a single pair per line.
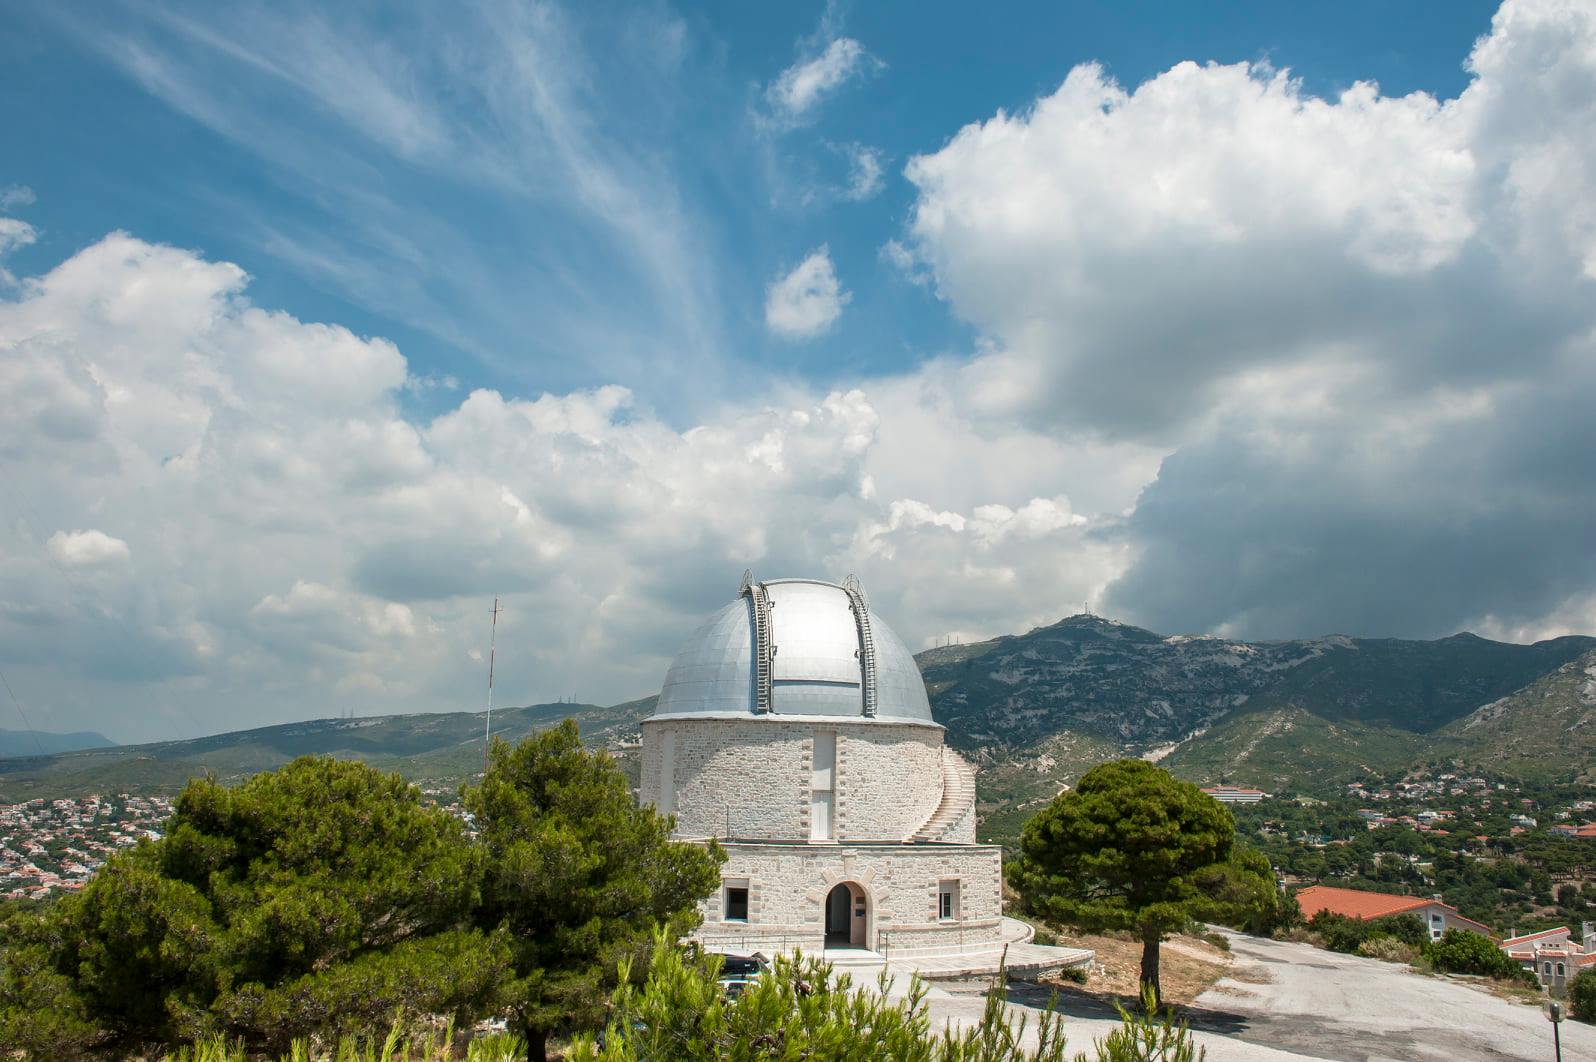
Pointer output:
867, 644
764, 650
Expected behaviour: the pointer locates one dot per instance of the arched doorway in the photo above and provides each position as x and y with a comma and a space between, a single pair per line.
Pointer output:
847, 910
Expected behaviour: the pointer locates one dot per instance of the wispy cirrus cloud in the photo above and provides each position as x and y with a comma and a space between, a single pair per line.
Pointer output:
393, 138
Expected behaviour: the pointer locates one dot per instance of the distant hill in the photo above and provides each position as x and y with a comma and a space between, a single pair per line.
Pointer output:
1094, 676
441, 749
1035, 710
1546, 728
35, 742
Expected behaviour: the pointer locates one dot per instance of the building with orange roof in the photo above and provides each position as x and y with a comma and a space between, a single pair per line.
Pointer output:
1437, 917
1234, 794
1552, 956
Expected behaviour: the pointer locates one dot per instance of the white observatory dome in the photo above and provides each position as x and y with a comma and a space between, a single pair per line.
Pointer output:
795, 647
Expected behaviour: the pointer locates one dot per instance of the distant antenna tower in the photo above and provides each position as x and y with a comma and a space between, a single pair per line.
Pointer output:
493, 646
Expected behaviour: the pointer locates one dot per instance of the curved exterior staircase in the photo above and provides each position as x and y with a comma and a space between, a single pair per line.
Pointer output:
954, 817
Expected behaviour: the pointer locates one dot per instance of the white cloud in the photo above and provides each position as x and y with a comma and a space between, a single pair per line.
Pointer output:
87, 549
14, 233
15, 195
1361, 327
302, 547
807, 301
864, 171
800, 88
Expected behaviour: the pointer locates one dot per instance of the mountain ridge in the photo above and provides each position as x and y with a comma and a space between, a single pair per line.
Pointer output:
1031, 710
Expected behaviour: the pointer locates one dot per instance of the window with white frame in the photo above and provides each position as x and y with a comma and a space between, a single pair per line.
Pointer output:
948, 900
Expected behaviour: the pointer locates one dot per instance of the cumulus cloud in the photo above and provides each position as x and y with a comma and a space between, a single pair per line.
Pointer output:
302, 547
86, 549
1362, 326
799, 89
807, 301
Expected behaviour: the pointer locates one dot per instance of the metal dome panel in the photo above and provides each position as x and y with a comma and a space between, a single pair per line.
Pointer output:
821, 658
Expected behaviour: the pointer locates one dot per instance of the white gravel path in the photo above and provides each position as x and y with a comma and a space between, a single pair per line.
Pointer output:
1317, 1005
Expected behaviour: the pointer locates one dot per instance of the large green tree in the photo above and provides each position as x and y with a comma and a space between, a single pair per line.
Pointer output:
580, 876
320, 897
1133, 848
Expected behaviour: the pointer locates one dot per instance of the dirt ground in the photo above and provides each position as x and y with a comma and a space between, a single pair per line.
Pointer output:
1188, 966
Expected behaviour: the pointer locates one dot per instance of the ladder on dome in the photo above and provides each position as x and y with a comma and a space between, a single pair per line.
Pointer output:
763, 650
867, 642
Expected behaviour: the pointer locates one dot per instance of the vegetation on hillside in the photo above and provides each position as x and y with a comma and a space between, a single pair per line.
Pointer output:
1525, 881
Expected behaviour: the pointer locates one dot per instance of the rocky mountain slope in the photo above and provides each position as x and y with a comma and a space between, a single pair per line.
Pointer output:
1035, 710
1546, 728
1124, 684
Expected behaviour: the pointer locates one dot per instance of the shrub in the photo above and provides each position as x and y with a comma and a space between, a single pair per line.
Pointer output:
1407, 928
1340, 933
1582, 996
1471, 953
801, 1010
1388, 949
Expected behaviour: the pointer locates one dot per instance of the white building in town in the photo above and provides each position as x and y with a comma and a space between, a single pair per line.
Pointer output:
794, 728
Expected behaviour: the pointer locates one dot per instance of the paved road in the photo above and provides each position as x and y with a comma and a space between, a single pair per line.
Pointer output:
1324, 1007
1321, 1005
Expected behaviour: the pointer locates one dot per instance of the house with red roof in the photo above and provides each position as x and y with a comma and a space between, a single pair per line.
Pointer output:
1437, 917
1234, 794
1552, 956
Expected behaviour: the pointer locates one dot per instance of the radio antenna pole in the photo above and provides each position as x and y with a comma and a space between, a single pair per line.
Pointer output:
493, 647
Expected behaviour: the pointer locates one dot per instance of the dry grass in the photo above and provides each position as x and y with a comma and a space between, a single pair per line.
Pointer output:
1188, 966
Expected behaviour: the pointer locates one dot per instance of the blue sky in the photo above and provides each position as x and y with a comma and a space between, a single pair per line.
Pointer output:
321, 325
195, 155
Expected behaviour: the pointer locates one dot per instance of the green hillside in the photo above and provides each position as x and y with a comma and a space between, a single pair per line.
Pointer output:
1545, 730
1292, 750
441, 749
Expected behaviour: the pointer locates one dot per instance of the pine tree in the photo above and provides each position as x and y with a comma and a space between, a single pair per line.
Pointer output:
1133, 848
580, 876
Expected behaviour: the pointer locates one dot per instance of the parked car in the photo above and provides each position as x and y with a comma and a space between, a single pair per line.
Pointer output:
738, 971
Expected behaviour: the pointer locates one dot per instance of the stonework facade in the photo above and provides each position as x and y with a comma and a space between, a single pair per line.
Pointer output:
794, 729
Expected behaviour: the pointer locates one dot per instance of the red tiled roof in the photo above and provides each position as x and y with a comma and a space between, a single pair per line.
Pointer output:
1354, 903
1525, 938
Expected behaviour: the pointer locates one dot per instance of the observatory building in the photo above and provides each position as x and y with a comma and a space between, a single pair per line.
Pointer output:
794, 728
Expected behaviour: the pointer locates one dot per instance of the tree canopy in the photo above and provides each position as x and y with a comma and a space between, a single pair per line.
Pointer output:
320, 897
579, 876
1133, 848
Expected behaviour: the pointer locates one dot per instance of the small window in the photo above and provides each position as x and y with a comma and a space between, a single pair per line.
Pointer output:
1559, 969
736, 904
1548, 969
947, 900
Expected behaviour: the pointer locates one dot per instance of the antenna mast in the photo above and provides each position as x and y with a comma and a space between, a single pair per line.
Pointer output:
493, 646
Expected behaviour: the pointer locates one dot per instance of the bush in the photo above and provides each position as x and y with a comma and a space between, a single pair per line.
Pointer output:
1470, 953
1407, 928
801, 1010
1340, 933
1582, 996
1388, 949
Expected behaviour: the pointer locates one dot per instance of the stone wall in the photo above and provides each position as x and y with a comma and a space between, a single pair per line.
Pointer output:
787, 887
889, 781
750, 778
